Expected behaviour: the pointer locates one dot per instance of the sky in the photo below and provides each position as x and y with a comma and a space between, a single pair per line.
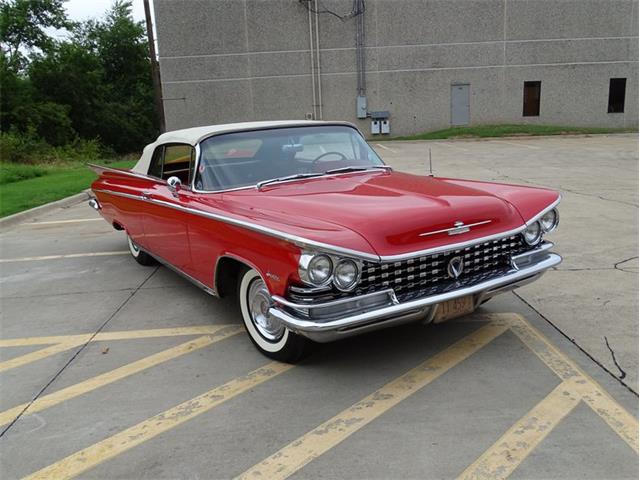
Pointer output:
84, 9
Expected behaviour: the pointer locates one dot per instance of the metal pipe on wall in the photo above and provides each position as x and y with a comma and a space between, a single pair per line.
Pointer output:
318, 63
313, 72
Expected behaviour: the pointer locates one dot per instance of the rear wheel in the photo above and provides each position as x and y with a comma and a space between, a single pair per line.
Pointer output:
142, 257
267, 333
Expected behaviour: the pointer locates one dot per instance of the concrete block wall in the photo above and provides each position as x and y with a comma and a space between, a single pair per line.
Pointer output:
238, 60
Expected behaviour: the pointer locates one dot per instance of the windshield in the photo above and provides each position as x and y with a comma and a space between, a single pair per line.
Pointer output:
241, 159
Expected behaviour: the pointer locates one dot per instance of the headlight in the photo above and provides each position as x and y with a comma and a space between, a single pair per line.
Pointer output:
320, 269
346, 275
549, 221
533, 233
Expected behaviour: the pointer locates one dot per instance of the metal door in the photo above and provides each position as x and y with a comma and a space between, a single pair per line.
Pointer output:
460, 104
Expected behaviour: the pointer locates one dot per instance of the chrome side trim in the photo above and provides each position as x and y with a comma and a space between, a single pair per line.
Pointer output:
122, 194
180, 272
544, 210
304, 242
462, 227
296, 240
333, 329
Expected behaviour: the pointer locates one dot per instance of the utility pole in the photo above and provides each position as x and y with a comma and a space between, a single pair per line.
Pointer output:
155, 69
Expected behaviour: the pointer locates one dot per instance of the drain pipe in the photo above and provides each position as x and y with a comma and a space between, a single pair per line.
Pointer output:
313, 72
318, 62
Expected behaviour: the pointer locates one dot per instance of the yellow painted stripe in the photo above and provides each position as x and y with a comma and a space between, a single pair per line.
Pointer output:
619, 419
57, 257
98, 381
37, 355
303, 450
56, 222
88, 458
499, 461
118, 335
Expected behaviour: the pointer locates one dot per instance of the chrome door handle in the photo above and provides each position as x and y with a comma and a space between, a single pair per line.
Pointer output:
145, 196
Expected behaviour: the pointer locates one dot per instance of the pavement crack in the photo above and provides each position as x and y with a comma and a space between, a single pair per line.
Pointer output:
561, 188
572, 340
75, 355
595, 195
613, 356
617, 265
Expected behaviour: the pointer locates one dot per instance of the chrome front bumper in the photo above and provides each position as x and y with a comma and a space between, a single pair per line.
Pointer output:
351, 316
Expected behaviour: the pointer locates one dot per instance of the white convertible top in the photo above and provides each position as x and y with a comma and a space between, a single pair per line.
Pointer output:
193, 136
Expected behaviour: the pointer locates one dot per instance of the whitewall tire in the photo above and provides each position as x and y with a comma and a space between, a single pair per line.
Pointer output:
140, 256
267, 333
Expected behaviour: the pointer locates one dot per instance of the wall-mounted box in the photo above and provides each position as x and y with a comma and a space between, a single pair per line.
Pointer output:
375, 127
361, 106
384, 127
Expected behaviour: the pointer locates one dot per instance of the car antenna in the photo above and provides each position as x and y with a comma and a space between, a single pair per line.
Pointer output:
430, 165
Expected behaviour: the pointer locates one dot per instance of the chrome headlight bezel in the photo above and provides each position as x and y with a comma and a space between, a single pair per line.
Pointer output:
550, 220
306, 264
356, 274
534, 228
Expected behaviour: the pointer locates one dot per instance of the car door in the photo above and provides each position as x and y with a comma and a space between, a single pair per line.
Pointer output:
164, 223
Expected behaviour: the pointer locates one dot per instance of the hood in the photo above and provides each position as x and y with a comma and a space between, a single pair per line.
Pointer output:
395, 213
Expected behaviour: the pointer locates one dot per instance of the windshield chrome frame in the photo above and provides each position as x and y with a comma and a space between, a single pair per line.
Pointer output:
198, 154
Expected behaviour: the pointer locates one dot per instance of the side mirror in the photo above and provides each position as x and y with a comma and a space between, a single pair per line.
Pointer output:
174, 184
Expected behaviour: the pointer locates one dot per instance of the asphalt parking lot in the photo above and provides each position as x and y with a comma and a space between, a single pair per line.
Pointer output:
113, 370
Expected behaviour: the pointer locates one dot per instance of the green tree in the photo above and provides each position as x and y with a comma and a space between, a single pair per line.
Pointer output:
128, 112
95, 84
23, 25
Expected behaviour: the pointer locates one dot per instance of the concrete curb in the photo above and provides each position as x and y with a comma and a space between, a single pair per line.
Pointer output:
506, 137
22, 217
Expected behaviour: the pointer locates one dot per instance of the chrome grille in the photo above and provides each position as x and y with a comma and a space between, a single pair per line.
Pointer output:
427, 275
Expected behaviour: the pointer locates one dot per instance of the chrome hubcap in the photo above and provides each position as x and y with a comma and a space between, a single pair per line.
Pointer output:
258, 302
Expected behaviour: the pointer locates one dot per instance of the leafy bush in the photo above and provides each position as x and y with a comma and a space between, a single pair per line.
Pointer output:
29, 148
21, 147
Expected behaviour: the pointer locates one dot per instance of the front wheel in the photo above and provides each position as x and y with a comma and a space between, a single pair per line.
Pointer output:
140, 256
267, 333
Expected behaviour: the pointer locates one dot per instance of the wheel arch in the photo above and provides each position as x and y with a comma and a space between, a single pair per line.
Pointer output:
226, 271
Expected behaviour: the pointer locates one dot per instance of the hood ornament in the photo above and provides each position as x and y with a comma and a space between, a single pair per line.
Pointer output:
458, 228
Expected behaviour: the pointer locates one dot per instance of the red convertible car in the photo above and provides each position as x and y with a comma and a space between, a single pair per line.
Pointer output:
317, 237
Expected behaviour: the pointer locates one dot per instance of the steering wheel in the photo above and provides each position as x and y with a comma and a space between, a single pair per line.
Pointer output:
342, 157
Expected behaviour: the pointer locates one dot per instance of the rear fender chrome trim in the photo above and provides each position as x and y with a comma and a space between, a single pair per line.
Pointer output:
129, 173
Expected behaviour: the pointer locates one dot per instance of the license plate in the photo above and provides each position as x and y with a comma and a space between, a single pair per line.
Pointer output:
454, 308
